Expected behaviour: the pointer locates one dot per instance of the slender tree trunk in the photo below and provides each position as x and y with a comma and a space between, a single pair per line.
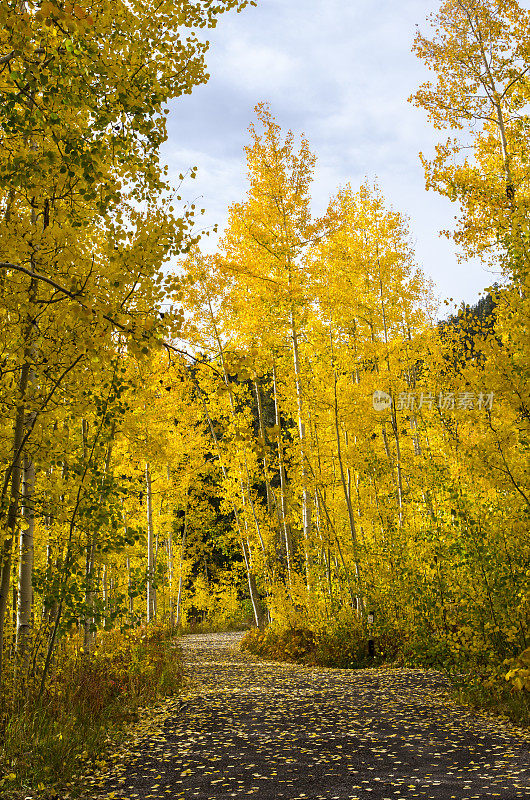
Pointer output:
339, 550
47, 524
89, 563
129, 586
181, 567
90, 558
155, 562
170, 569
399, 472
306, 498
169, 544
415, 435
270, 495
323, 558
25, 573
151, 590
259, 617
253, 510
283, 486
399, 480
345, 487
12, 513
105, 594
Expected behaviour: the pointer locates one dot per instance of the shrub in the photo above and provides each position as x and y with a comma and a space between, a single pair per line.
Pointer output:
87, 699
288, 644
342, 643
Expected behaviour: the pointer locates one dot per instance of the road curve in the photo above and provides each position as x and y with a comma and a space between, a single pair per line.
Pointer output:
253, 729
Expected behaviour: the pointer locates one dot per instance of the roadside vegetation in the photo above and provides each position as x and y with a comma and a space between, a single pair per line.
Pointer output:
346, 643
54, 734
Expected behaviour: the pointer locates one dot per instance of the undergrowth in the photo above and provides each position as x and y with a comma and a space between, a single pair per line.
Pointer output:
209, 625
494, 695
341, 644
48, 740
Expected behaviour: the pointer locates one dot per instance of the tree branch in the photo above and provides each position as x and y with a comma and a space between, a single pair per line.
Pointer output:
6, 59
67, 292
73, 296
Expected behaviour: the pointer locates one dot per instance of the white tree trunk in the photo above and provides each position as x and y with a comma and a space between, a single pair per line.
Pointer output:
283, 487
306, 498
129, 585
270, 494
105, 593
12, 512
151, 589
259, 617
181, 568
169, 544
25, 572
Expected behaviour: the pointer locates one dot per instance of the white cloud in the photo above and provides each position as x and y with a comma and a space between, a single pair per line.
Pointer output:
254, 67
340, 72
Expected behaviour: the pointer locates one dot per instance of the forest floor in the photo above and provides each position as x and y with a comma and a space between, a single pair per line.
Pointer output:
249, 728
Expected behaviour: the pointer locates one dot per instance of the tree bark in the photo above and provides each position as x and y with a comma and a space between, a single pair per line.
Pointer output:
283, 487
270, 496
169, 544
306, 498
129, 586
181, 567
25, 573
12, 513
259, 616
151, 589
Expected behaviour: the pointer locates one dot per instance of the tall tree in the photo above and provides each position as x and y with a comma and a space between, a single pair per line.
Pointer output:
263, 247
480, 52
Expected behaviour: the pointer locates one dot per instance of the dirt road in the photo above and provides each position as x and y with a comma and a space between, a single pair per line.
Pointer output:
248, 728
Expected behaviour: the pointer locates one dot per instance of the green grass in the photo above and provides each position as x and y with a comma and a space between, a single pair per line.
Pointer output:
494, 696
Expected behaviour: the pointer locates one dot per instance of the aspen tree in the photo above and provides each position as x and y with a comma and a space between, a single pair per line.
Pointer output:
181, 568
151, 587
262, 246
69, 147
207, 291
25, 587
367, 290
480, 51
285, 522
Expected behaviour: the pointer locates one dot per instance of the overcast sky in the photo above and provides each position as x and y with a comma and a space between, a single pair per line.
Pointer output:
341, 72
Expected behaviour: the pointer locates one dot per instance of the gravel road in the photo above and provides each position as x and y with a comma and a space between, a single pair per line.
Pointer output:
246, 728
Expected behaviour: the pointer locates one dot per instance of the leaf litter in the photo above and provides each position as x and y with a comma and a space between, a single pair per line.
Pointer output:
250, 728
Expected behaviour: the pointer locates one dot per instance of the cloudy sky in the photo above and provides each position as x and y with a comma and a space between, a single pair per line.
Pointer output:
341, 72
